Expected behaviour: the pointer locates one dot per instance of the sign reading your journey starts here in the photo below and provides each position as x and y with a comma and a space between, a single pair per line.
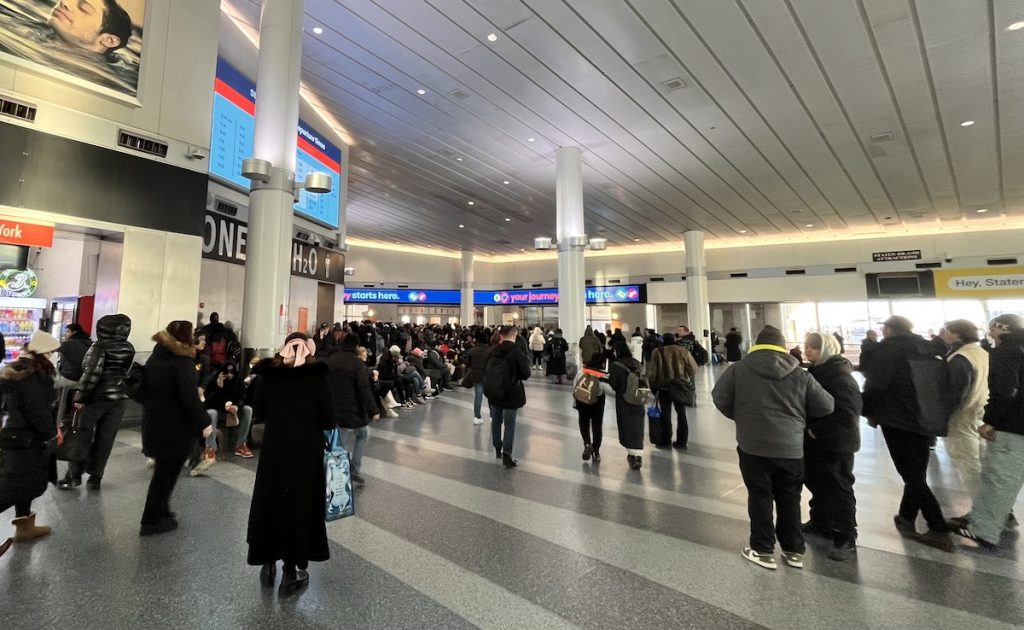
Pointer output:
517, 297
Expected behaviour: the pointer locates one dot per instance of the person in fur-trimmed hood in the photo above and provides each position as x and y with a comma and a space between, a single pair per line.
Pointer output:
28, 441
173, 418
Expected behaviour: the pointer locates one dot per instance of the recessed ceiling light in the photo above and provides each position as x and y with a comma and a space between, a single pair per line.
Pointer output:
808, 225
461, 226
421, 91
507, 219
967, 123
743, 231
982, 210
492, 37
531, 139
506, 182
471, 203
318, 30
458, 159
521, 249
636, 240
1016, 26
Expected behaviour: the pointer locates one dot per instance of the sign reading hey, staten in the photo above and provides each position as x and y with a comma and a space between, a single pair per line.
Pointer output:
903, 254
979, 283
225, 239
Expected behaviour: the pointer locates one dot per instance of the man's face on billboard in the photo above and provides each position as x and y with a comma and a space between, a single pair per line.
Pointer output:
79, 22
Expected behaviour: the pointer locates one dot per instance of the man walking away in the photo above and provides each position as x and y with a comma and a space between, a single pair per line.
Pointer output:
506, 369
770, 398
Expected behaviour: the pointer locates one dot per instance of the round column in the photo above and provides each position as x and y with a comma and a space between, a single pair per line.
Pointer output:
267, 266
571, 242
467, 314
697, 307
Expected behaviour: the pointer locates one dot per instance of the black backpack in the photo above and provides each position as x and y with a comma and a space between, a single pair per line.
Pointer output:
932, 393
700, 355
498, 378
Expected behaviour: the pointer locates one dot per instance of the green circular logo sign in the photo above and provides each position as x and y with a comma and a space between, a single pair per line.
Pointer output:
18, 282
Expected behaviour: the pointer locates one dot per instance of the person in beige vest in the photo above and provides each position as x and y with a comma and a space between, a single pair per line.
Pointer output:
968, 366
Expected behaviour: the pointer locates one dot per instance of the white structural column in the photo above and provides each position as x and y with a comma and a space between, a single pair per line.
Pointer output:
697, 308
466, 309
265, 305
571, 242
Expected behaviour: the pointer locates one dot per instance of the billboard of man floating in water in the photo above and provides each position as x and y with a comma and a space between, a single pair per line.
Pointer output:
94, 43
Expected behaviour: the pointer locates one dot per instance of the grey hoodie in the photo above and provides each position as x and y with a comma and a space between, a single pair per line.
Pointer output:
770, 398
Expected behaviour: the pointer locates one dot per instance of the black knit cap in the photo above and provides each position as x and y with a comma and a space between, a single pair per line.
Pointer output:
772, 336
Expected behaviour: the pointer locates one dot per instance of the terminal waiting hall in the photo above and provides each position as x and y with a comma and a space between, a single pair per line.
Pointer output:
511, 314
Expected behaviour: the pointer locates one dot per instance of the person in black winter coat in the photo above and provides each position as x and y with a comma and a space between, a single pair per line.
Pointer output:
102, 394
355, 406
27, 442
509, 364
172, 420
733, 345
829, 446
629, 417
286, 517
890, 401
557, 351
476, 363
72, 353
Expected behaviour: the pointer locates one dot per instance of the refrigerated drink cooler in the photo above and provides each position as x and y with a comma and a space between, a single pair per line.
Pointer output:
19, 319
71, 310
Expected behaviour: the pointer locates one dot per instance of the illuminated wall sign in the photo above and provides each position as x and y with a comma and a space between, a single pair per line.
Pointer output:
15, 232
988, 282
19, 283
231, 139
402, 296
632, 293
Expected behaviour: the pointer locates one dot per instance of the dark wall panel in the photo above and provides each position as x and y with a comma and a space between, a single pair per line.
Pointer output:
81, 180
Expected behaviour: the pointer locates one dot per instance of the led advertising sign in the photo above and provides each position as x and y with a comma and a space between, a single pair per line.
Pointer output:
402, 296
624, 294
231, 140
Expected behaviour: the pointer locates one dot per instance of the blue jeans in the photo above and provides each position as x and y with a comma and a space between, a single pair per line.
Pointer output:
361, 436
244, 423
478, 398
507, 417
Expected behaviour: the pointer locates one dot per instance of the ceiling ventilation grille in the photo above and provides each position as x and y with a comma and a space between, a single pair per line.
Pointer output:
882, 137
674, 84
458, 95
17, 109
446, 152
226, 208
142, 144
1002, 261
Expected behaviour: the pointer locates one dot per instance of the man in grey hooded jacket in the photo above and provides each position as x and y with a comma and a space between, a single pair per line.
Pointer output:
770, 398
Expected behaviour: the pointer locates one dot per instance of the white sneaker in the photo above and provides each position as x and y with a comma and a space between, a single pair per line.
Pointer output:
478, 420
765, 560
390, 413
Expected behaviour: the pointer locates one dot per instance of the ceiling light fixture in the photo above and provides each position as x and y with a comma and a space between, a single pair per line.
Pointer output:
318, 30
458, 159
636, 240
967, 123
531, 139
743, 231
808, 225
472, 203
492, 37
507, 219
461, 226
1016, 26
982, 210
506, 182
421, 91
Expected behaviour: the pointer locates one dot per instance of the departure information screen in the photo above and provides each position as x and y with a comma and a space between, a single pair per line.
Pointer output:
234, 110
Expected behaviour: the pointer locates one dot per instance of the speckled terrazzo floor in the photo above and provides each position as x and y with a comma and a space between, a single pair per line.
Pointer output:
445, 538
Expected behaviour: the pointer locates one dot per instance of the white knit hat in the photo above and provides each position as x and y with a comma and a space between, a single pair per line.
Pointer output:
43, 343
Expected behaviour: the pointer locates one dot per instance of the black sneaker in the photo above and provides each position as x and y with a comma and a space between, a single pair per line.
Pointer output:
597, 457
588, 452
94, 483
939, 540
268, 575
292, 582
904, 526
69, 483
357, 479
507, 461
679, 446
816, 528
843, 551
635, 461
497, 452
162, 526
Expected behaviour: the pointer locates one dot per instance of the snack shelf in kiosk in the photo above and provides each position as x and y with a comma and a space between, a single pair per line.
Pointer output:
19, 320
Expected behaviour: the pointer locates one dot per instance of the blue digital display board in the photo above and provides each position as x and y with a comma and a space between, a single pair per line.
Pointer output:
625, 294
402, 296
231, 140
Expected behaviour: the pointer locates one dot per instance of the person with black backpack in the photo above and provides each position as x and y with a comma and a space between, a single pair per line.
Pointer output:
893, 402
688, 340
506, 369
624, 378
588, 394
557, 350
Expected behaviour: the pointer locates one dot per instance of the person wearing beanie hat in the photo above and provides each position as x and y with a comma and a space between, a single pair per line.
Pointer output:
890, 399
25, 456
355, 405
829, 447
395, 351
770, 399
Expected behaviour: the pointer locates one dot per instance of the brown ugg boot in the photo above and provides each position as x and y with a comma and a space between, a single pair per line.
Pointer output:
26, 528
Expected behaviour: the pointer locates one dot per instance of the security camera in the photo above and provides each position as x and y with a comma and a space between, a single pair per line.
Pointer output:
949, 260
317, 241
195, 153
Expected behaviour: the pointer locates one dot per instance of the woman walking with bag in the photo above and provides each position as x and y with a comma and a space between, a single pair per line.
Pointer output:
670, 372
173, 418
27, 442
629, 417
286, 518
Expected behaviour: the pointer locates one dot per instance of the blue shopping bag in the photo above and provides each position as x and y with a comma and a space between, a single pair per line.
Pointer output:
339, 500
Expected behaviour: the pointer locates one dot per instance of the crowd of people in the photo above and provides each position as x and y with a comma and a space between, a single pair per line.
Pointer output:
795, 427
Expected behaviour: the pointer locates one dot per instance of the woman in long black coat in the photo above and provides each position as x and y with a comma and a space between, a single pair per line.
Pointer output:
27, 442
629, 417
172, 420
286, 519
733, 342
